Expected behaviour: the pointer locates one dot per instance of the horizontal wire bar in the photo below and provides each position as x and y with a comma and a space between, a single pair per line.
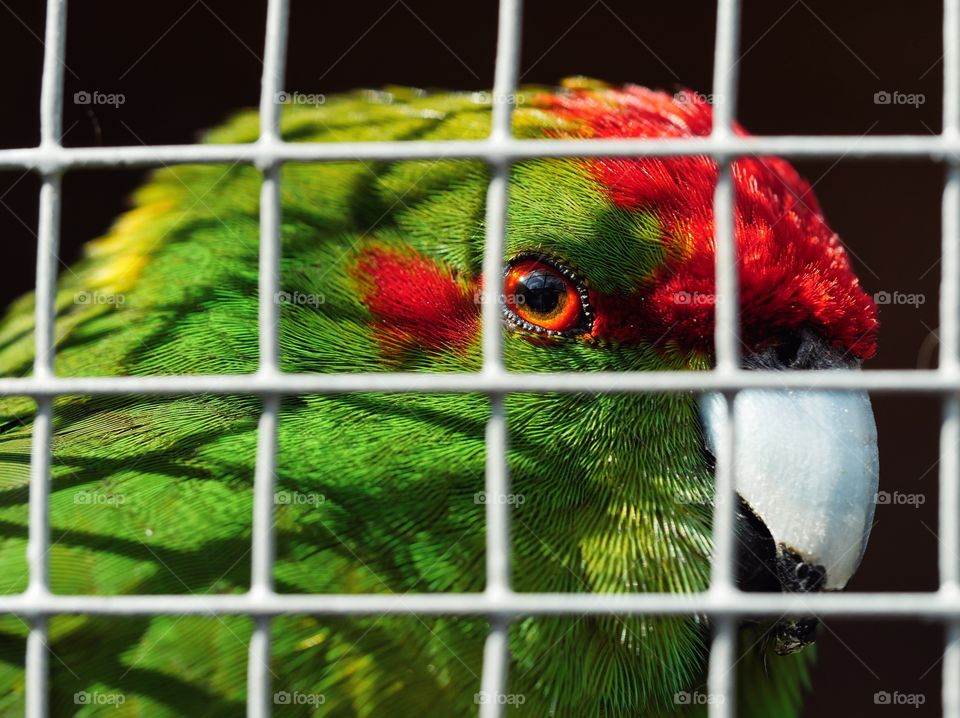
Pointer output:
881, 381
50, 159
939, 606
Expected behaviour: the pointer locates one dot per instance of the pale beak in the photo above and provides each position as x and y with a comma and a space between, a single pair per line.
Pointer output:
806, 464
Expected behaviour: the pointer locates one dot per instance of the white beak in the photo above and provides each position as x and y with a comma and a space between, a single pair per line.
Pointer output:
806, 462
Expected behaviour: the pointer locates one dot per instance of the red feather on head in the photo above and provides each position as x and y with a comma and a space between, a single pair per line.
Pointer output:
793, 270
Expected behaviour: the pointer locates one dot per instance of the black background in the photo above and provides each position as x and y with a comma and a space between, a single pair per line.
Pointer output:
811, 67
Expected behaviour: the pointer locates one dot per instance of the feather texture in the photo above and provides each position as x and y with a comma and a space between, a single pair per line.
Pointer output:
383, 493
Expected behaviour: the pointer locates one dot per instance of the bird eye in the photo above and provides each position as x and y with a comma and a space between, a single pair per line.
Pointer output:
543, 296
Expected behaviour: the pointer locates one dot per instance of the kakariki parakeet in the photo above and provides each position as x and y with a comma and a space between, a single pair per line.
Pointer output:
609, 265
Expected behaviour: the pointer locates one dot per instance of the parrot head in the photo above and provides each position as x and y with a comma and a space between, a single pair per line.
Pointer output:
608, 266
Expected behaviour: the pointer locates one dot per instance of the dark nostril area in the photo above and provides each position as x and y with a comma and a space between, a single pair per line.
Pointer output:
796, 575
788, 349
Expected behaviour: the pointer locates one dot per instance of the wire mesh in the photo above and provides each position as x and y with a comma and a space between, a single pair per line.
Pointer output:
723, 602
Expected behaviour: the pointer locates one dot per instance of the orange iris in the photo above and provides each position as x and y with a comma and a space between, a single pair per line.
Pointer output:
542, 295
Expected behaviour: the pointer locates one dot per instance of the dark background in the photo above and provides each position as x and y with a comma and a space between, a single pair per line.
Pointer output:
811, 66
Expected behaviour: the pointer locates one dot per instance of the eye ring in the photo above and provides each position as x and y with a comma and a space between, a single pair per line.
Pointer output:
542, 295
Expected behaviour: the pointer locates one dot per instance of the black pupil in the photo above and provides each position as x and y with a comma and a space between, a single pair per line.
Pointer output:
541, 291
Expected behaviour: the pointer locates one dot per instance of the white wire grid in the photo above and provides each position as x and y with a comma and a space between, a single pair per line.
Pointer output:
723, 602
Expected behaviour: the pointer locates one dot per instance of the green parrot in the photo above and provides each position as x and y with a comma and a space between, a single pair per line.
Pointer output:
609, 265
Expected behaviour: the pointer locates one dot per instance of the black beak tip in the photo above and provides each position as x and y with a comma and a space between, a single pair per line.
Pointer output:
763, 566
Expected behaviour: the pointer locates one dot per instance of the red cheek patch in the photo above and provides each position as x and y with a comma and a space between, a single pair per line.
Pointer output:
416, 303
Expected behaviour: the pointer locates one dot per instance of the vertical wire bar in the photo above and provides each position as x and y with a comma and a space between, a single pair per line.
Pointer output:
949, 503
951, 671
497, 480
507, 69
261, 579
949, 360
727, 328
951, 68
724, 67
274, 68
949, 465
48, 240
37, 668
37, 653
51, 88
496, 652
496, 649
949, 506
721, 677
726, 337
259, 697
